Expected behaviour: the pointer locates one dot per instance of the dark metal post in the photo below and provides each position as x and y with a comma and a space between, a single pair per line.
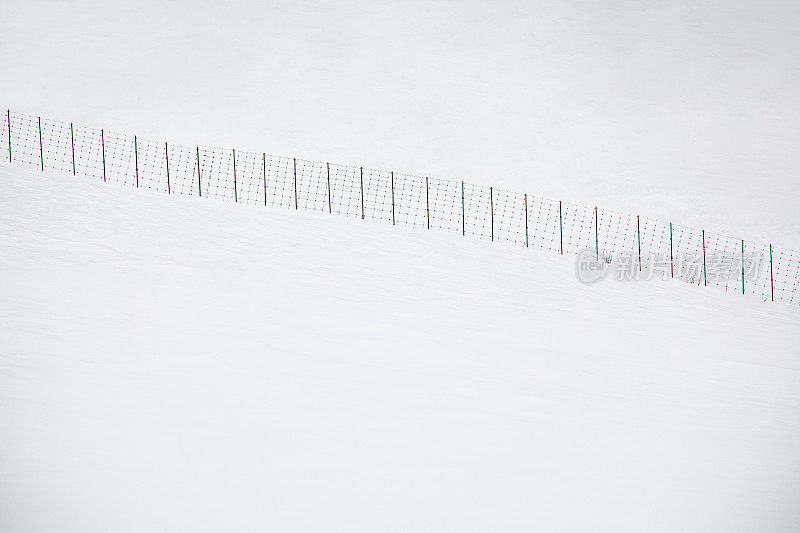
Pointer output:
103, 149
703, 234
235, 189
9, 134
427, 203
264, 167
41, 150
639, 241
72, 140
596, 235
328, 167
742, 266
136, 158
362, 191
671, 262
166, 156
199, 183
491, 208
463, 213
561, 227
295, 182
771, 280
393, 221
526, 220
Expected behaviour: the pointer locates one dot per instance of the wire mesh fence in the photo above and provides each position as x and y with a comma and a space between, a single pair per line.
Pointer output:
648, 245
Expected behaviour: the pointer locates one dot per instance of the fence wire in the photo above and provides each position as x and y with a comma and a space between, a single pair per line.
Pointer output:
544, 224
56, 145
89, 157
25, 146
478, 220
444, 205
509, 217
656, 247
578, 230
183, 170
411, 208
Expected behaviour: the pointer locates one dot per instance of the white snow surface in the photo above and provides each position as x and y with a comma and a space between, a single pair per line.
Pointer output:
178, 364
685, 111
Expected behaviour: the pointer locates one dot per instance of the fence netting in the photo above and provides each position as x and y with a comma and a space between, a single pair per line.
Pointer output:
57, 145
411, 208
25, 146
544, 224
650, 246
509, 217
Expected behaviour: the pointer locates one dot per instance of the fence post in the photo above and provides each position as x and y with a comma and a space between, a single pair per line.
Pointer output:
136, 158
742, 266
294, 159
427, 203
561, 227
9, 134
526, 220
393, 221
235, 191
491, 207
596, 235
361, 170
264, 167
639, 241
671, 262
199, 182
463, 213
103, 149
41, 150
771, 279
72, 141
703, 234
166, 157
328, 167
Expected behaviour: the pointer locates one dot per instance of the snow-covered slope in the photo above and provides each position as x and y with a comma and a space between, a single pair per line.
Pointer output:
175, 364
682, 111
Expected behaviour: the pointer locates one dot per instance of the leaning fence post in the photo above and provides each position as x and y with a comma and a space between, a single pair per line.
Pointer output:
393, 222
639, 242
9, 134
72, 141
264, 167
294, 159
427, 203
526, 220
166, 157
235, 192
561, 227
103, 149
41, 150
463, 213
491, 207
361, 170
328, 167
199, 183
671, 262
771, 280
596, 235
136, 158
703, 234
